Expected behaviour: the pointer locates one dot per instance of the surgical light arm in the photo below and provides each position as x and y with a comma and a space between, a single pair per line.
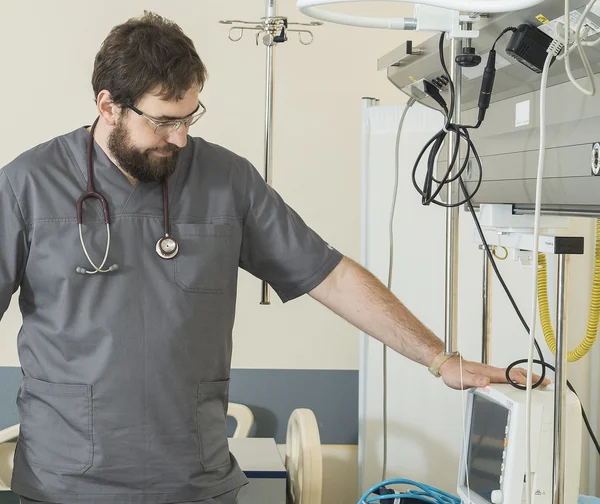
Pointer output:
313, 8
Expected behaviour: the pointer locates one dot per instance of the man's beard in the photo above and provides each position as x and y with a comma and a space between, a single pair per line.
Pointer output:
141, 165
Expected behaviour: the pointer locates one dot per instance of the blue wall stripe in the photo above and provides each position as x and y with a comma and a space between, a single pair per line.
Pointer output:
271, 394
266, 474
8, 498
10, 381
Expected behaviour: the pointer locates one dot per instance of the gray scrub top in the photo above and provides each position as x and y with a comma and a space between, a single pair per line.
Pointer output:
126, 375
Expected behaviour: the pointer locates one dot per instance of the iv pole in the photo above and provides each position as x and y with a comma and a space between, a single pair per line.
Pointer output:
274, 29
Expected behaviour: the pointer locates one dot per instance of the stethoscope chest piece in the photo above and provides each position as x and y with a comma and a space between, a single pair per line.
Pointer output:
167, 247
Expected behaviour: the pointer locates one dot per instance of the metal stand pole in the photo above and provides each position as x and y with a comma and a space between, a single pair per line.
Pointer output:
486, 322
268, 173
451, 279
562, 247
560, 391
275, 30
364, 338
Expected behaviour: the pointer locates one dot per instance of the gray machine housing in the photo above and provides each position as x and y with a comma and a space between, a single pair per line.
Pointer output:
508, 141
509, 153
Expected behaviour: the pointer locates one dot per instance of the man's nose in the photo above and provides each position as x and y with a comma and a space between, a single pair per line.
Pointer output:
178, 137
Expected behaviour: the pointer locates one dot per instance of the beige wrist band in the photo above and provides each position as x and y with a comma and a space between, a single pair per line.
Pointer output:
438, 362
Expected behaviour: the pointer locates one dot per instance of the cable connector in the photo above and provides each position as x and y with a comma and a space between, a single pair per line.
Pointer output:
487, 85
555, 47
427, 93
388, 491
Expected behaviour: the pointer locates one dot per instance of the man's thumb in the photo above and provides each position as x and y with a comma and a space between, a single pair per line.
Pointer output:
481, 381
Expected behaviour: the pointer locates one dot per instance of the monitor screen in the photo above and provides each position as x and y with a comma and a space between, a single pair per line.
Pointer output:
486, 445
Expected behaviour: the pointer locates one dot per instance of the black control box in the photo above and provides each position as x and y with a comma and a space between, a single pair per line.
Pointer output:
528, 45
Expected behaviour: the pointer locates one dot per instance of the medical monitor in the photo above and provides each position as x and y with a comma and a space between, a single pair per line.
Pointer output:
493, 459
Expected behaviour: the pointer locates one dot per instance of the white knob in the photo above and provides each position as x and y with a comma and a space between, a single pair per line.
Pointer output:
497, 496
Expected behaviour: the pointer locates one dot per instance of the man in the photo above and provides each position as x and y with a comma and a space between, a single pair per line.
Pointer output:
128, 303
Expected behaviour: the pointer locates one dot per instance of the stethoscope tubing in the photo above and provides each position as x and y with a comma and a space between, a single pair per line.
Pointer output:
166, 247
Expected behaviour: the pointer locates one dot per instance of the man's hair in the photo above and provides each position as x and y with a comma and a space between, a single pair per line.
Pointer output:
147, 54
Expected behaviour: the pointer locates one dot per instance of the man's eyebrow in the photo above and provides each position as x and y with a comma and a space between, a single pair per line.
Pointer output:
172, 118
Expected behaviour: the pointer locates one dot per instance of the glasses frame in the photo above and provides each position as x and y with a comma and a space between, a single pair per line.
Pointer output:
175, 124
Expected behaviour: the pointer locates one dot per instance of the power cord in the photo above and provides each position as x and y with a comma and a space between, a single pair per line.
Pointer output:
534, 267
427, 191
390, 272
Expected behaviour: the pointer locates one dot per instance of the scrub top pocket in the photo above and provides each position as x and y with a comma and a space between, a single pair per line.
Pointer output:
56, 425
203, 260
211, 417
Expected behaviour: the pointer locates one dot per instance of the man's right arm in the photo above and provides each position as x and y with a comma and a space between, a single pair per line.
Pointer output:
13, 242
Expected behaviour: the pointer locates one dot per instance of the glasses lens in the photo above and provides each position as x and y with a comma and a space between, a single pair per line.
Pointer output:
194, 119
168, 128
165, 129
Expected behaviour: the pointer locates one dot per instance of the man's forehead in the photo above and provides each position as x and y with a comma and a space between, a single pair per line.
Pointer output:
158, 107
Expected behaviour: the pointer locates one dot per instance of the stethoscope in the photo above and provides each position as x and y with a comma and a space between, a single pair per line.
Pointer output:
166, 247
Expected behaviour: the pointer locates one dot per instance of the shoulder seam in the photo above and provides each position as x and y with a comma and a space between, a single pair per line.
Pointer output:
16, 199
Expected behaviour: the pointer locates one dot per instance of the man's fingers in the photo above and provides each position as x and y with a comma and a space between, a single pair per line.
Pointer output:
481, 381
475, 374
519, 375
474, 380
498, 375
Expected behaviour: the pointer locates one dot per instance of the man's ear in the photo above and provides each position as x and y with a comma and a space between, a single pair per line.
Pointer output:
108, 110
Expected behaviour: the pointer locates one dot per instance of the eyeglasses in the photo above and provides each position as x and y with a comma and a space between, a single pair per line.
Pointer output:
166, 127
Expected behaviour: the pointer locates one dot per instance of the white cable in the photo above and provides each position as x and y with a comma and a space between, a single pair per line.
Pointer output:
313, 8
578, 44
409, 104
464, 423
591, 43
580, 24
536, 234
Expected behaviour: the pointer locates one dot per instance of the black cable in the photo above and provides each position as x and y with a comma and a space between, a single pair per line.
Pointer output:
428, 192
585, 418
507, 291
502, 33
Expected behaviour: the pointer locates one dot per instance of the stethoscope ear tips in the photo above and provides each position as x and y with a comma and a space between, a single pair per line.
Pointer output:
83, 271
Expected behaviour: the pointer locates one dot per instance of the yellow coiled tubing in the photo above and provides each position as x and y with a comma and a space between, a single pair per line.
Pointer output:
594, 316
